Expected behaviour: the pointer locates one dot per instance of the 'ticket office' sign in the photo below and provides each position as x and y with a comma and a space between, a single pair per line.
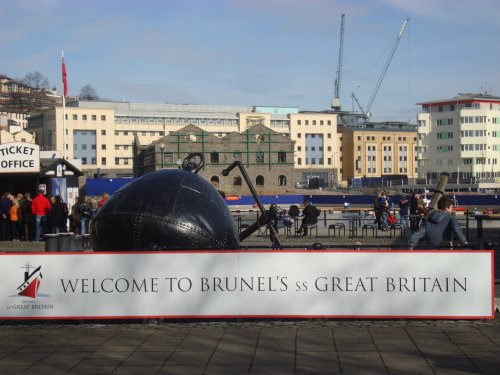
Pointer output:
19, 157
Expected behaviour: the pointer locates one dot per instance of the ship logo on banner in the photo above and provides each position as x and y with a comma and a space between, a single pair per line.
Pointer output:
32, 281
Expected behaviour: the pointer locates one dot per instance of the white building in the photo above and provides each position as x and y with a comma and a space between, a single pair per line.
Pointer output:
461, 136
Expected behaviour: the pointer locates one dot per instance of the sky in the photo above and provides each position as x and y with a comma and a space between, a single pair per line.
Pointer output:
257, 52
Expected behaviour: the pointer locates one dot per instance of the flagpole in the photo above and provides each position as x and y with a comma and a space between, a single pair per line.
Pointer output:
64, 105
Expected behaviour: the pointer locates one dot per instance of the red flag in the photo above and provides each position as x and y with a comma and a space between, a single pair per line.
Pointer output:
64, 78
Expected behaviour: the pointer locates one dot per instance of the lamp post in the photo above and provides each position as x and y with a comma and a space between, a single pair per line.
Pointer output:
162, 147
334, 171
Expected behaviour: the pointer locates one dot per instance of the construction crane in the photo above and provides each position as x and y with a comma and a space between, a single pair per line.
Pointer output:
336, 99
367, 113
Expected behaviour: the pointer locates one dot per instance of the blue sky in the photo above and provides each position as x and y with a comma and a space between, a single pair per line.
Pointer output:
257, 52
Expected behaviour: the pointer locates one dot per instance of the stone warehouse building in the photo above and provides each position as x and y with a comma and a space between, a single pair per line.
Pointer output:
266, 155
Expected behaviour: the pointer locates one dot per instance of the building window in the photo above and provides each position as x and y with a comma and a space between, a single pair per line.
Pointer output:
75, 117
117, 161
84, 117
259, 157
214, 157
299, 161
281, 157
259, 181
282, 180
93, 161
103, 132
103, 161
237, 181
84, 161
103, 117
237, 155
94, 117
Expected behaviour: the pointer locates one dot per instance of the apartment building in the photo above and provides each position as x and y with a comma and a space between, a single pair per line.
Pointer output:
317, 146
372, 151
461, 136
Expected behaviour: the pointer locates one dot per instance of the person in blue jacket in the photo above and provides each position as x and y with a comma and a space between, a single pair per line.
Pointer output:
439, 225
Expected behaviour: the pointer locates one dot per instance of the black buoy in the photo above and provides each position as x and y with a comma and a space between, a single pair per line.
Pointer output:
170, 209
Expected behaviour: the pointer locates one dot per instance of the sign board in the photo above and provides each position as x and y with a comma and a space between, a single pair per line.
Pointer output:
19, 157
250, 284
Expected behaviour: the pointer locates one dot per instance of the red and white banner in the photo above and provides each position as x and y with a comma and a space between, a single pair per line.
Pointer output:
294, 284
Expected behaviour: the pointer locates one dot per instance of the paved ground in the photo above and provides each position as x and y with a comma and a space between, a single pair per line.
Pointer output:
264, 346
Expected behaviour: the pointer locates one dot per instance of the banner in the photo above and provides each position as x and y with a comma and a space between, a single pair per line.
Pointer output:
259, 284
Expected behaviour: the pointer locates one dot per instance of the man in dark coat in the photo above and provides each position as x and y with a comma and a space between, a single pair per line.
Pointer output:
310, 214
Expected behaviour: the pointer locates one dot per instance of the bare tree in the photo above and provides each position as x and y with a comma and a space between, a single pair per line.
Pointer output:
88, 92
36, 80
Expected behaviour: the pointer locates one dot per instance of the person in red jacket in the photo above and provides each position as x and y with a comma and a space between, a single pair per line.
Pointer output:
105, 197
40, 208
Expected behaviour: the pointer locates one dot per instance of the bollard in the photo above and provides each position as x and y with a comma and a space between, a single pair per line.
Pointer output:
51, 242
64, 241
76, 243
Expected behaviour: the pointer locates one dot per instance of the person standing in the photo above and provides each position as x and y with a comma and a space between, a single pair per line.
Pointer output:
414, 212
383, 207
5, 226
27, 217
15, 220
377, 211
59, 216
40, 208
439, 226
404, 211
84, 213
103, 200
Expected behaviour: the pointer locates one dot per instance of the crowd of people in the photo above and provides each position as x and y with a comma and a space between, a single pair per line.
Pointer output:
432, 226
23, 218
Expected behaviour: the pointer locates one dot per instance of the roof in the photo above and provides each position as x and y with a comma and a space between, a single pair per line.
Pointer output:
464, 97
52, 163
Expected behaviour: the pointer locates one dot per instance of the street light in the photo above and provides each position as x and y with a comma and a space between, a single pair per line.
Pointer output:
334, 171
162, 147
